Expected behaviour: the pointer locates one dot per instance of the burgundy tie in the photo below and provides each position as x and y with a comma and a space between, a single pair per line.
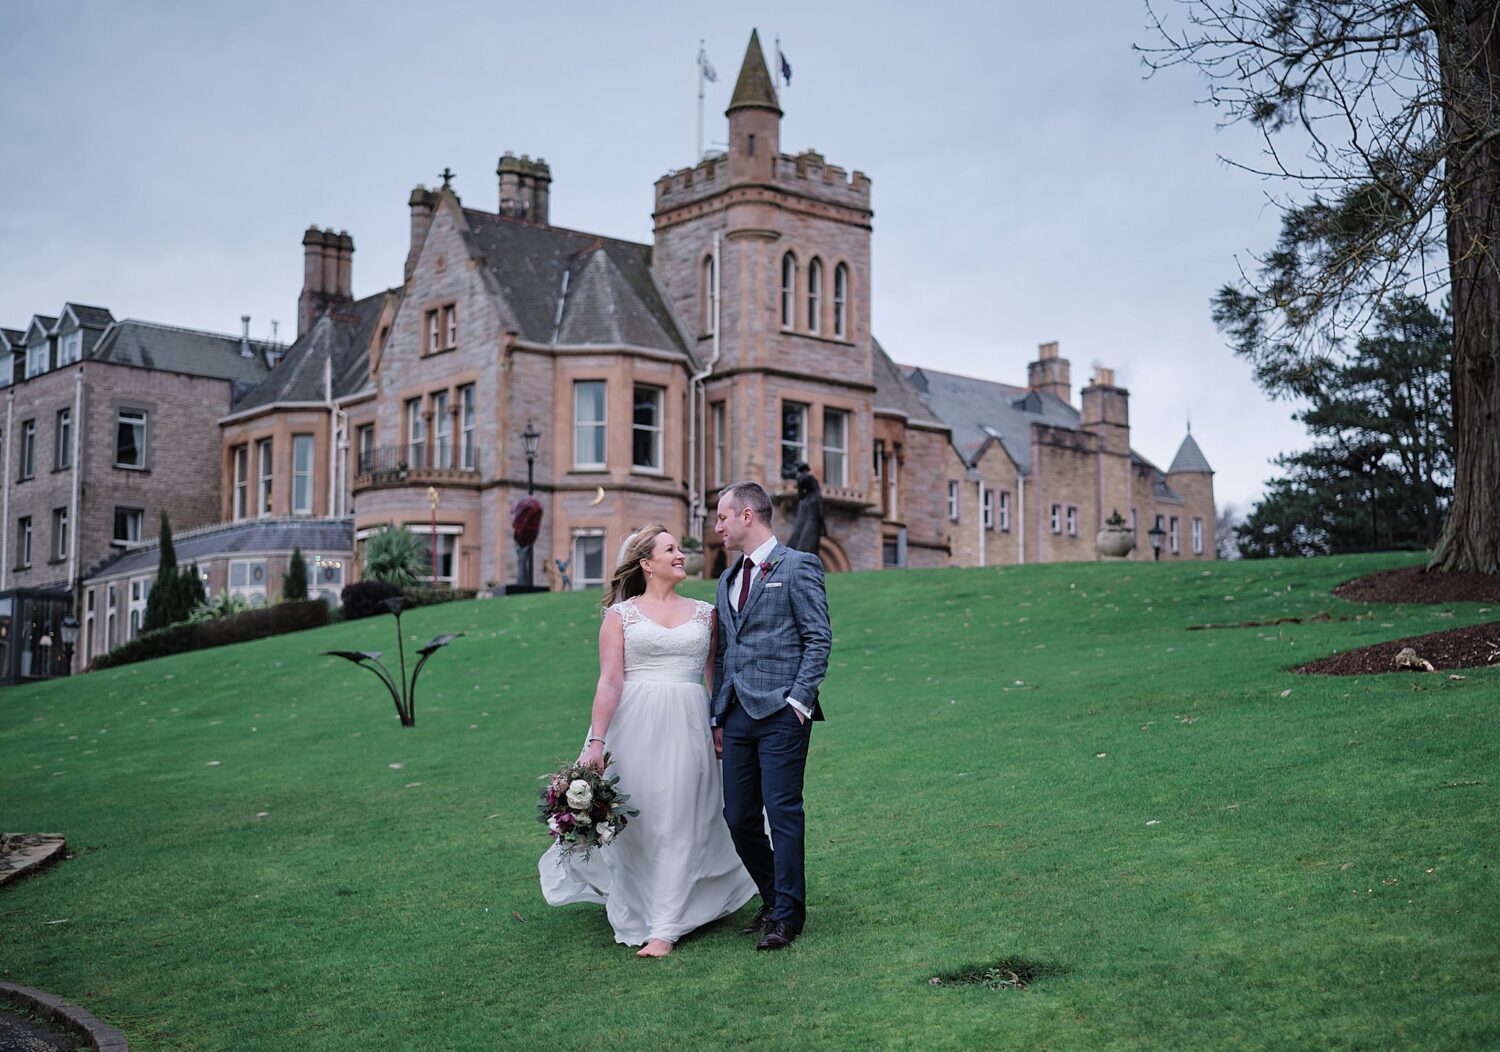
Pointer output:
745, 568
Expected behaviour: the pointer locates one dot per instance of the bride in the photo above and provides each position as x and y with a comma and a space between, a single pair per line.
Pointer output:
674, 868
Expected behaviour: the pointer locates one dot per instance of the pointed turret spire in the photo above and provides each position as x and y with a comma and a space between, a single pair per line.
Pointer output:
1189, 458
756, 88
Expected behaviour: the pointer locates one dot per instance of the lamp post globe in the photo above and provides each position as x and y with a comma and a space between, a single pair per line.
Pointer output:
530, 439
1156, 535
69, 640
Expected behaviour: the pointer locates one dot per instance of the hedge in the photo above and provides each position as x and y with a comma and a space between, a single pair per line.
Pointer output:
185, 636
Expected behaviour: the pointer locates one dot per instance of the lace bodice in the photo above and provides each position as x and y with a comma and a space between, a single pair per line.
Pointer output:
656, 653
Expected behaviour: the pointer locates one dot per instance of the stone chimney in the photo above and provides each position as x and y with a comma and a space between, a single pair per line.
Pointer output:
245, 349
422, 202
1106, 411
327, 262
525, 187
1050, 373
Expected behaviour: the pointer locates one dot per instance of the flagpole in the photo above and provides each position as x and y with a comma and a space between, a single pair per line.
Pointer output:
699, 155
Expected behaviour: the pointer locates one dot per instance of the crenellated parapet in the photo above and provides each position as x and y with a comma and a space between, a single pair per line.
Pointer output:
806, 174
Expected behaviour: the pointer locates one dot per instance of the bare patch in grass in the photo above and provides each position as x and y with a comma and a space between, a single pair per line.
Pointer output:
1008, 973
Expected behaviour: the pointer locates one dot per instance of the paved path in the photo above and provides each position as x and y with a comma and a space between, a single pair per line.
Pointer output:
20, 1034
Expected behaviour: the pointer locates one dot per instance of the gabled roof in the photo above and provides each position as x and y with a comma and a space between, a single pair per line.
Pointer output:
1189, 458
12, 337
338, 342
148, 345
894, 393
88, 317
611, 298
978, 410
246, 537
755, 86
45, 322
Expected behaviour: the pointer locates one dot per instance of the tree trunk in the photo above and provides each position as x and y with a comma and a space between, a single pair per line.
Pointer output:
1469, 54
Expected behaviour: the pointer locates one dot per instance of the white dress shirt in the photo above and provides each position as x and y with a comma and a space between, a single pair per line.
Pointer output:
758, 557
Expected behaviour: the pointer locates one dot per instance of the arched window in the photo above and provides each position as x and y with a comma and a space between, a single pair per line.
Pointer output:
814, 295
841, 301
788, 290
710, 295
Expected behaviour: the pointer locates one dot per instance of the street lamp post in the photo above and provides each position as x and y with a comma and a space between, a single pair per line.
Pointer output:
69, 641
1157, 535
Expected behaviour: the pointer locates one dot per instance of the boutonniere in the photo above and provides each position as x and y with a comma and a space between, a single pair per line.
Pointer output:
768, 568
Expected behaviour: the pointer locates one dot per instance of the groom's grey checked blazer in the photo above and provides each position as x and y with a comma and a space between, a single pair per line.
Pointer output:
777, 647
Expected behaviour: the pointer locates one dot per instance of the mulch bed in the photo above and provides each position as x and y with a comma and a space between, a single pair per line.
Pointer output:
1415, 585
1477, 646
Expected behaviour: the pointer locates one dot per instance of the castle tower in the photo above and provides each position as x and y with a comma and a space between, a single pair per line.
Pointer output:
767, 258
1191, 477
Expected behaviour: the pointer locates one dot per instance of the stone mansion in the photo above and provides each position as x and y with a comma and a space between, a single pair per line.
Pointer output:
735, 345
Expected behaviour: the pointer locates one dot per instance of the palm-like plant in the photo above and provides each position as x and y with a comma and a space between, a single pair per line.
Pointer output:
222, 605
397, 555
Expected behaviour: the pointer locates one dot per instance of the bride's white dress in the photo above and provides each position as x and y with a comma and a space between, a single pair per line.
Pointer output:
674, 867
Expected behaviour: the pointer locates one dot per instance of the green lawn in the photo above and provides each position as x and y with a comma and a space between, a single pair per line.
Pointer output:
1035, 763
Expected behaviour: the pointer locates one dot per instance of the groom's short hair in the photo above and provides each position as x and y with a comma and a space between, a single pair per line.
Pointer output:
751, 495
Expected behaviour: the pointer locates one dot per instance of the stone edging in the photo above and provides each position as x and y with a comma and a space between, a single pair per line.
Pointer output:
100, 1035
21, 853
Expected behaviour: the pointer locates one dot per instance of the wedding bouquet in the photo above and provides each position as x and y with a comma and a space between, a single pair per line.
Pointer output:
582, 809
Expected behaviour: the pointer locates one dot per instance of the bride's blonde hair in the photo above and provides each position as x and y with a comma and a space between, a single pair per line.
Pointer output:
629, 579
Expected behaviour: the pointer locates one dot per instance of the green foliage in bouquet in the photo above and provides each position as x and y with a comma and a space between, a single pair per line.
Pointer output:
582, 808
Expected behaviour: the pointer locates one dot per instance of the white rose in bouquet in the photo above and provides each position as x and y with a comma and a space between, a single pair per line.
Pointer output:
552, 823
580, 796
583, 820
606, 833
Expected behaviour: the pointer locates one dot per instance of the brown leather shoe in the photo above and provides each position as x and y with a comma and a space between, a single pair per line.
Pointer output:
761, 922
779, 936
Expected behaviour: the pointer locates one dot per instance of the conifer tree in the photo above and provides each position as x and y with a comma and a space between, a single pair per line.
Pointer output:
163, 602
294, 581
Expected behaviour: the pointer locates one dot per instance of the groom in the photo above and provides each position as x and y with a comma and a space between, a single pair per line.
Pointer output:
769, 661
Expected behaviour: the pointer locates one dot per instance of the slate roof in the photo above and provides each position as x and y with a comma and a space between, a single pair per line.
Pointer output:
148, 345
14, 337
1189, 458
978, 410
46, 321
90, 317
342, 338
612, 296
755, 86
894, 393
247, 537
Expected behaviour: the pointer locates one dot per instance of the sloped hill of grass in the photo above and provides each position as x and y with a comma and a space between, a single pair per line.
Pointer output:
1043, 764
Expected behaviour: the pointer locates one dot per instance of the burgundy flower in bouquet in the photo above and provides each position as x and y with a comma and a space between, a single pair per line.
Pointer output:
582, 809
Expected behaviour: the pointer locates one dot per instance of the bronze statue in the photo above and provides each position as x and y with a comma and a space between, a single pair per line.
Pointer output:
807, 527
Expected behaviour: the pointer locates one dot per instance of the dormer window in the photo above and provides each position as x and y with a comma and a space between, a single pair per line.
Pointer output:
36, 359
70, 348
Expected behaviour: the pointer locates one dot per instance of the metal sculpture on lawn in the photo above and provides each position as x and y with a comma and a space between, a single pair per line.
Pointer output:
402, 693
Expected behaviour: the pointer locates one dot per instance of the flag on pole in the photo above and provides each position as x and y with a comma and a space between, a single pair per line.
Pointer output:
786, 67
709, 73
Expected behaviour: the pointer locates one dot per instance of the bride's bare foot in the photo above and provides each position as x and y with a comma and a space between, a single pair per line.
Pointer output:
655, 948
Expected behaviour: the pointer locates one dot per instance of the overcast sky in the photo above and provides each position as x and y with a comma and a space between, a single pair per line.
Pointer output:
163, 159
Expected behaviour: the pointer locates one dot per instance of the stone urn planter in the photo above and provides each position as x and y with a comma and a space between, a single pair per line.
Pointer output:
1116, 540
692, 557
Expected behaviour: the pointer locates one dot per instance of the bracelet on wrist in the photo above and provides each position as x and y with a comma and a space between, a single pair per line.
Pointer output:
592, 738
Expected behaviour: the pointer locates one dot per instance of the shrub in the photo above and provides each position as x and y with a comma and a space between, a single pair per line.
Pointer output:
367, 598
294, 581
433, 596
200, 635
397, 555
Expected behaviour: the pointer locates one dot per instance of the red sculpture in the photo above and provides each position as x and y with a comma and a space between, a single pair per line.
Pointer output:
526, 521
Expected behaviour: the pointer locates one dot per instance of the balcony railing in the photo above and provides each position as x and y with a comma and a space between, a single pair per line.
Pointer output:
833, 496
403, 465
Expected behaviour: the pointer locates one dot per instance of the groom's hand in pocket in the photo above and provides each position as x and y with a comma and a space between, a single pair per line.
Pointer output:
719, 742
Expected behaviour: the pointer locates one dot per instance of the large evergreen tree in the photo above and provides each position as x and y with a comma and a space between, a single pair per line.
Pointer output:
163, 603
294, 581
1377, 476
1395, 102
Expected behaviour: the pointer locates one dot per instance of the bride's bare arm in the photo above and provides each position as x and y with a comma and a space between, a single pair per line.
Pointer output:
607, 693
713, 650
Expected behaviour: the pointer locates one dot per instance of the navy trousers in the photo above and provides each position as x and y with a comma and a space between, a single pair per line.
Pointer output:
764, 761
